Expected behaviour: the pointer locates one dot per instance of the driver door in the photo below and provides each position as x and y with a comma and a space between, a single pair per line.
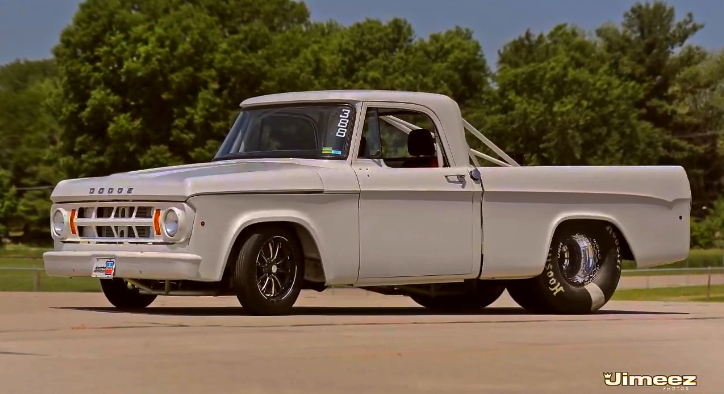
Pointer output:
415, 211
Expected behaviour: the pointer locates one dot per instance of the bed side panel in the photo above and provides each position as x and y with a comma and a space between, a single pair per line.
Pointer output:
522, 206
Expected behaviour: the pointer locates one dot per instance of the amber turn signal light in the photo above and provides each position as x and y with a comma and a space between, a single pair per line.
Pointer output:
157, 222
73, 229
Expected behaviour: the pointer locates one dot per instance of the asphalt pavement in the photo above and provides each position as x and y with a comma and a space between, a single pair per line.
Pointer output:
347, 341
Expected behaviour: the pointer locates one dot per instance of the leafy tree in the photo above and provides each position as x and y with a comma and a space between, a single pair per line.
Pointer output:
7, 203
643, 48
153, 83
709, 232
376, 55
158, 84
28, 134
698, 125
558, 102
22, 93
650, 48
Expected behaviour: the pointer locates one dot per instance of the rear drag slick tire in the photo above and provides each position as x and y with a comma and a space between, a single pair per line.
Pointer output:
580, 275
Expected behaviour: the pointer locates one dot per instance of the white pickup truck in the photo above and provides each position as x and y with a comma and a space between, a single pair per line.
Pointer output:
372, 189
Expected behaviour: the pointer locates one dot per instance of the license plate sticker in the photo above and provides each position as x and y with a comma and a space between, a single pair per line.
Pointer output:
104, 268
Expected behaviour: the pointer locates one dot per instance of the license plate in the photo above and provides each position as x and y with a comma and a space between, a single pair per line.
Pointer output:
104, 268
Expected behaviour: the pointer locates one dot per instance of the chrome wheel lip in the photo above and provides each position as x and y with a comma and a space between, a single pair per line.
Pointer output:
276, 270
579, 259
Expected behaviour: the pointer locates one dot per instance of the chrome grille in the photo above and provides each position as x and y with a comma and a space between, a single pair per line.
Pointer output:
144, 212
116, 223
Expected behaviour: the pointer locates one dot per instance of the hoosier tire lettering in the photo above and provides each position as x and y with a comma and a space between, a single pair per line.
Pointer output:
555, 286
613, 234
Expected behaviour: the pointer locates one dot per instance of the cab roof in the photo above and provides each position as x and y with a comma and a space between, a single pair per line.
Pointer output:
444, 108
430, 100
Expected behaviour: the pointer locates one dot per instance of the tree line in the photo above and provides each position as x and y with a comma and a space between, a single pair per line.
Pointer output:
139, 84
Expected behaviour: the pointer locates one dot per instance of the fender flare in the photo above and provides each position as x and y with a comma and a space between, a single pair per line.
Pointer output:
253, 218
583, 216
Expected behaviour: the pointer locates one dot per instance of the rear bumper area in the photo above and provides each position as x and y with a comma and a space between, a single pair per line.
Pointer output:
131, 265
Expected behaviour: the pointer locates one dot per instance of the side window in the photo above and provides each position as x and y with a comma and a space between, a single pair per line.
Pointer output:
401, 139
369, 147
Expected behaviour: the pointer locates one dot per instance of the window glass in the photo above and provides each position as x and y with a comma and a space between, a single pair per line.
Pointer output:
369, 147
403, 138
312, 131
394, 141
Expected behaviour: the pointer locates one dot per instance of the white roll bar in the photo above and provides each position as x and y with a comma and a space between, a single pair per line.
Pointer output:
474, 154
491, 145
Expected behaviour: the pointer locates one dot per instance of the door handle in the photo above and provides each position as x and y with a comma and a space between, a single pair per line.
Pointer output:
457, 178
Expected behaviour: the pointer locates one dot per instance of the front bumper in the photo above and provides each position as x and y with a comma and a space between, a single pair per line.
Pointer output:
131, 265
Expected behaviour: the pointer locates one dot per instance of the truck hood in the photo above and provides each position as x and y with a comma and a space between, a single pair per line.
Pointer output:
181, 182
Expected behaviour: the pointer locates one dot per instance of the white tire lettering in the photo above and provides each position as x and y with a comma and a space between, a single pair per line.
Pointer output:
555, 287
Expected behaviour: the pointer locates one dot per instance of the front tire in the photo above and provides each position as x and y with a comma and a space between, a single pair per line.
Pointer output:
485, 293
269, 271
123, 296
580, 275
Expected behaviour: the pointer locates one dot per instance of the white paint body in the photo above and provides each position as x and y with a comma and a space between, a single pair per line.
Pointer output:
373, 225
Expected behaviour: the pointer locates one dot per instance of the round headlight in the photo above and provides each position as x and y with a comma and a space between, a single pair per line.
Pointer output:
170, 223
58, 222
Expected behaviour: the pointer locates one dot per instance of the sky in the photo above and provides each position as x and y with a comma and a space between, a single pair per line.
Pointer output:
30, 28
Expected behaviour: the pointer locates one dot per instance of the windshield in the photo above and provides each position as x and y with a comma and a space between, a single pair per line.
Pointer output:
308, 132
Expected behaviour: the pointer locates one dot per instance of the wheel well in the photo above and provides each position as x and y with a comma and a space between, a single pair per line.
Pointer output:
626, 253
314, 271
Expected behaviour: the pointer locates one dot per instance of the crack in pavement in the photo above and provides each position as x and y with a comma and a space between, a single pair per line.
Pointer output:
19, 354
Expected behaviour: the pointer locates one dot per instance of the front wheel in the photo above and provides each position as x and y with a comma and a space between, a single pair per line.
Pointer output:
580, 275
485, 293
123, 295
269, 271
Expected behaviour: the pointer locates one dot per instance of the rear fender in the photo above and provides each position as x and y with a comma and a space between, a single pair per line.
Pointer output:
523, 207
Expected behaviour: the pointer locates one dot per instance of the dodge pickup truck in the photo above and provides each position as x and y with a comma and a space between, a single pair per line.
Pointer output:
377, 190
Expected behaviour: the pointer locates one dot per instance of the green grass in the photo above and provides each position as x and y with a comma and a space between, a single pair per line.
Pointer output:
20, 250
684, 293
645, 272
23, 280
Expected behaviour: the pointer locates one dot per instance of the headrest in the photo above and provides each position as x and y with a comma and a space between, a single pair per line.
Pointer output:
420, 143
